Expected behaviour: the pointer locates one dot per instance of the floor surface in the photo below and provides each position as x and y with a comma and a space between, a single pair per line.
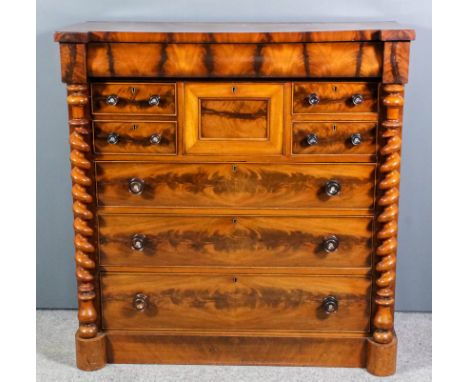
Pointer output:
56, 359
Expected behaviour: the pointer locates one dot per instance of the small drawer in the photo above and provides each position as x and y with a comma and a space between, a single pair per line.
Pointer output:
134, 98
334, 138
123, 137
235, 302
336, 97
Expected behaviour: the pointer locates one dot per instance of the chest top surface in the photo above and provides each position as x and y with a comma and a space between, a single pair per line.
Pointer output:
216, 32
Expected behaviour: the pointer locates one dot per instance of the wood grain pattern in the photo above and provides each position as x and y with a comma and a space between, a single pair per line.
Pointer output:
250, 241
241, 302
133, 98
253, 32
335, 97
233, 118
334, 137
235, 185
318, 60
73, 63
134, 137
396, 62
224, 349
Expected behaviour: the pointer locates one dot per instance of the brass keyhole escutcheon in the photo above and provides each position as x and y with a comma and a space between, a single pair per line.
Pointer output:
234, 279
234, 89
334, 127
234, 220
234, 168
335, 88
134, 127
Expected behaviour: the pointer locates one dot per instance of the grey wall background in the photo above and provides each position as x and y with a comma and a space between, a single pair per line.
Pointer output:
55, 266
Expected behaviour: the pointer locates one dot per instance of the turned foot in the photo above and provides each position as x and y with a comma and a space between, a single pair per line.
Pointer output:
91, 352
381, 358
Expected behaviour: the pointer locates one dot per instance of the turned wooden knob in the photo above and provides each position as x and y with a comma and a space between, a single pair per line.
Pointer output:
136, 185
330, 304
330, 244
138, 242
154, 100
332, 188
313, 99
357, 99
312, 139
356, 139
112, 100
113, 138
140, 301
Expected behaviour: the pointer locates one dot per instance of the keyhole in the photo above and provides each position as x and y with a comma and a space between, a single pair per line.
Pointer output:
234, 220
234, 168
234, 89
335, 88
133, 90
234, 279
134, 127
334, 127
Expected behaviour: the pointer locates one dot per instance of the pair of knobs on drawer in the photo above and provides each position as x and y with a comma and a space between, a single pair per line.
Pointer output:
356, 99
113, 100
136, 186
355, 139
329, 303
114, 138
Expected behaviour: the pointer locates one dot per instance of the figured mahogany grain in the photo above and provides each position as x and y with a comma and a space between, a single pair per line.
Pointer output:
235, 185
249, 241
241, 302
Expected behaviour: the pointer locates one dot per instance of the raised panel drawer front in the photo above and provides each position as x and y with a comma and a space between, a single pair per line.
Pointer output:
235, 185
138, 137
230, 118
335, 97
334, 138
250, 241
234, 302
133, 98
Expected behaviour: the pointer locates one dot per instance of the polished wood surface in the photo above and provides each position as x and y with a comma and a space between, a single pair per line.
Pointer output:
235, 185
250, 241
334, 137
134, 137
240, 302
232, 32
133, 98
233, 118
233, 250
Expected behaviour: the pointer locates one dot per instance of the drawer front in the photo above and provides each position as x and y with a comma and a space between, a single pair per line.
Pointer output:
336, 97
235, 185
233, 302
142, 240
334, 138
123, 137
133, 98
232, 118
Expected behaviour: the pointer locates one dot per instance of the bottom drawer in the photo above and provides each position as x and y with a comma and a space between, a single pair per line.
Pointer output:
234, 302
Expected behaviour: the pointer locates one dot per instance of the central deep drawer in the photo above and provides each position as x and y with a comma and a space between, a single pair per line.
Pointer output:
235, 185
234, 302
244, 241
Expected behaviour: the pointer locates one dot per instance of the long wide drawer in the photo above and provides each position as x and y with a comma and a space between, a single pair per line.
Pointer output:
234, 302
264, 241
235, 185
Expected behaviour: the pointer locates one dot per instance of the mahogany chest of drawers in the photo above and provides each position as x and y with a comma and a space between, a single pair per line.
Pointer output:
235, 191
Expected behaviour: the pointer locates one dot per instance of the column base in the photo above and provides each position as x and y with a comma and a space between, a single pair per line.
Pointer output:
381, 358
91, 352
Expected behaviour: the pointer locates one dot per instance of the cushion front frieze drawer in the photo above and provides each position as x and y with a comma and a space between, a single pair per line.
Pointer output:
240, 241
235, 302
235, 185
134, 98
137, 137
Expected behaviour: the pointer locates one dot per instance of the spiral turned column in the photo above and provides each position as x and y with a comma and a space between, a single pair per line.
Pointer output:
387, 218
83, 224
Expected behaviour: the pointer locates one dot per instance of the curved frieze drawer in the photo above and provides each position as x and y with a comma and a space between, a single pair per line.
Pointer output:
235, 302
235, 185
250, 241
